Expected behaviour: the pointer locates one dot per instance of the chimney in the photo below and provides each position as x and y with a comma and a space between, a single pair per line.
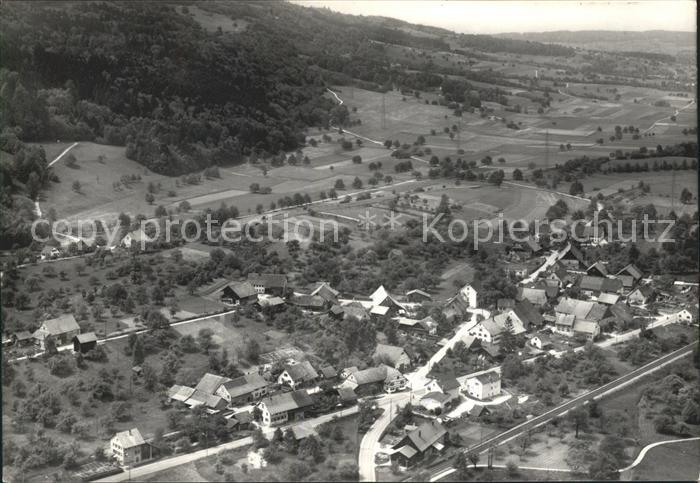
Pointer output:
129, 432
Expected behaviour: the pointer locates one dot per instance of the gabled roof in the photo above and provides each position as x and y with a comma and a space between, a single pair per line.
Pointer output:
201, 398
426, 435
355, 309
645, 290
528, 313
270, 302
492, 327
60, 325
599, 267
574, 253
381, 295
302, 371
328, 372
288, 401
325, 291
210, 383
390, 352
627, 280
130, 438
86, 338
246, 384
608, 298
180, 393
268, 280
600, 284
241, 289
632, 270
537, 296
436, 396
419, 292
23, 335
585, 326
489, 377
567, 320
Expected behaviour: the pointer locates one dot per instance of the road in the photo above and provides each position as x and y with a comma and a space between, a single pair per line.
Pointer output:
127, 334
668, 117
562, 409
164, 464
550, 261
37, 208
648, 447
369, 446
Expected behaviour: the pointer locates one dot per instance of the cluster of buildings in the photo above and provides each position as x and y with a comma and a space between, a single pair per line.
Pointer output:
63, 330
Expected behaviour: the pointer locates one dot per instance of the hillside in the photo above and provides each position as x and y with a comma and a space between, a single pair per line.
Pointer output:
654, 41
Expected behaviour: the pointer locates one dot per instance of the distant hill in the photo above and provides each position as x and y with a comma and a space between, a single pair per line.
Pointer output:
657, 41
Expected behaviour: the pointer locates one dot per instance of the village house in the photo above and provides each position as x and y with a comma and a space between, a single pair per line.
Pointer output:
426, 441
441, 395
284, 407
393, 356
559, 274
326, 292
470, 293
243, 390
273, 304
523, 315
376, 379
313, 303
641, 295
488, 331
389, 305
23, 338
269, 283
579, 318
632, 271
418, 296
484, 386
239, 293
598, 269
540, 341
49, 253
594, 286
61, 329
536, 296
129, 448
573, 259
425, 326
298, 374
136, 239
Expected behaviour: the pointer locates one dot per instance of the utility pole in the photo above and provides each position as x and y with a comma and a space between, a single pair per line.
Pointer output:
546, 148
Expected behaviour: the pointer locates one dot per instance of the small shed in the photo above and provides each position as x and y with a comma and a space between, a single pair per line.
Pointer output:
84, 342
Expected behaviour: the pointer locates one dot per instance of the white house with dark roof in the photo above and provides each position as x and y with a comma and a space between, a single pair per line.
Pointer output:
284, 407
271, 283
61, 329
488, 331
244, 389
295, 375
129, 448
483, 386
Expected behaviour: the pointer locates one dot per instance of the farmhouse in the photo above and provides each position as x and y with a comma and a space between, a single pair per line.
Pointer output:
594, 286
598, 269
295, 375
426, 440
580, 317
393, 356
314, 303
426, 326
270, 283
61, 329
129, 447
381, 298
135, 238
536, 296
484, 386
573, 259
641, 295
488, 331
633, 271
243, 390
326, 292
288, 406
375, 379
239, 293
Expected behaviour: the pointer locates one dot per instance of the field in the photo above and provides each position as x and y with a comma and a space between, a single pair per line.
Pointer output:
677, 461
